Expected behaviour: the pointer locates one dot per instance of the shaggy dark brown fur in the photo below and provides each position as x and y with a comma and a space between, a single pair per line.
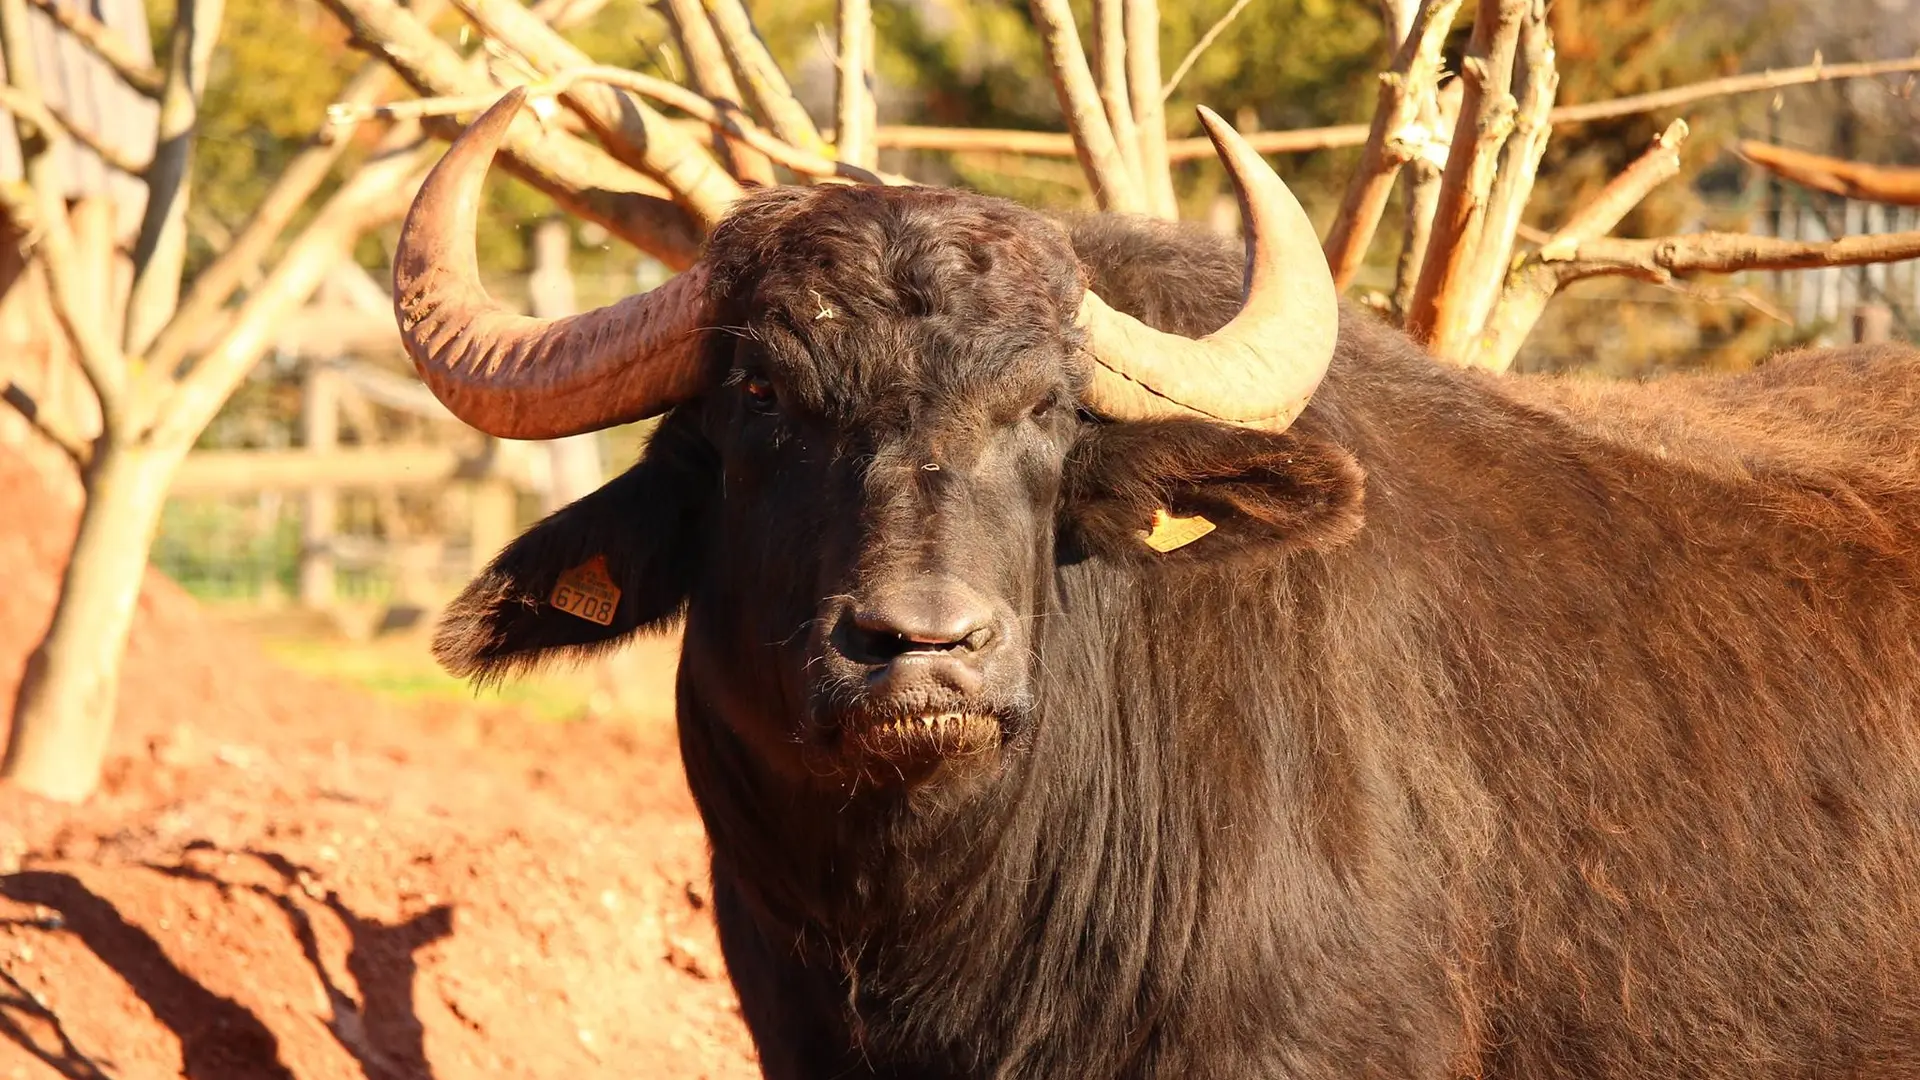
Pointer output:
1507, 727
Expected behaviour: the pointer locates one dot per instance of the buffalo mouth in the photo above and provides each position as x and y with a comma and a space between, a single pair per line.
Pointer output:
924, 737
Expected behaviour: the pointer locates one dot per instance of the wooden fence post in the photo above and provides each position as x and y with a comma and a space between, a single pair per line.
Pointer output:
320, 435
491, 513
1872, 323
574, 468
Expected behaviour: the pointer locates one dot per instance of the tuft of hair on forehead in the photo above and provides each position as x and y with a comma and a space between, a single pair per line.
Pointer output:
864, 253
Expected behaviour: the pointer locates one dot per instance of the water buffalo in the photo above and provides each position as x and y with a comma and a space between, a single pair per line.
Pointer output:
1069, 694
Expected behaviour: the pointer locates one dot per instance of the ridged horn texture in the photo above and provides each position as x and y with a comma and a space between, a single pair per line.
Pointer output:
518, 377
1260, 369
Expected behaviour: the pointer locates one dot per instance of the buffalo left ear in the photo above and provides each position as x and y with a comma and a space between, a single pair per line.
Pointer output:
592, 574
1151, 489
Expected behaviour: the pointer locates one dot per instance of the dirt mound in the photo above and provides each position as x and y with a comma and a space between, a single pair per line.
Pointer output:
283, 877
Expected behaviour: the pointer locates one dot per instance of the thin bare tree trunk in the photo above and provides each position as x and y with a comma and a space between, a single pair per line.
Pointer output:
1420, 188
1114, 187
63, 713
573, 462
765, 84
854, 105
1486, 118
1110, 49
1149, 110
711, 75
160, 254
1405, 88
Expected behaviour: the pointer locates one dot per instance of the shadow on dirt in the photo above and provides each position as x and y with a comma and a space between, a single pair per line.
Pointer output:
23, 1020
219, 1039
380, 1030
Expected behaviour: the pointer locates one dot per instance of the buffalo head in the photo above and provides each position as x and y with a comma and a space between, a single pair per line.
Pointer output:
892, 415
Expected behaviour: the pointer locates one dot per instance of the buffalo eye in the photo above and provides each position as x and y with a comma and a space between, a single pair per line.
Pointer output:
1045, 405
760, 394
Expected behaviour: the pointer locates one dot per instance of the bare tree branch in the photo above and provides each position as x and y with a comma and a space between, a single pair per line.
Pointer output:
378, 192
1110, 76
1421, 187
1200, 47
20, 209
241, 257
854, 111
1393, 140
581, 177
103, 42
113, 156
1149, 109
77, 448
1061, 144
1486, 117
633, 132
1754, 83
1720, 253
1743, 297
712, 76
1398, 17
160, 253
720, 116
1537, 82
1533, 283
766, 85
1093, 139
41, 115
1301, 140
99, 358
1603, 214
1852, 179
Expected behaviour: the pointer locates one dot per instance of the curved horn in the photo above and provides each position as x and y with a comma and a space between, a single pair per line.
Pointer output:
518, 377
1258, 370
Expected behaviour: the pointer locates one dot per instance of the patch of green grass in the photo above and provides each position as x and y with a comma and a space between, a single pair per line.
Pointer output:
402, 670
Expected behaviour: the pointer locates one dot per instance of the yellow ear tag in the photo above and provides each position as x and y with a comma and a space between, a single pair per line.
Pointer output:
587, 591
1170, 533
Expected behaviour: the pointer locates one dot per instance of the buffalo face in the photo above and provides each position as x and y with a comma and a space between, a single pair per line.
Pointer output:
864, 517
891, 428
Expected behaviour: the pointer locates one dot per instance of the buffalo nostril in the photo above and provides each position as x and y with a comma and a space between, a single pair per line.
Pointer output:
882, 634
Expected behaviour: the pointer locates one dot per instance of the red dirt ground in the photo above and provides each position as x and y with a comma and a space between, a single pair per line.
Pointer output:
284, 877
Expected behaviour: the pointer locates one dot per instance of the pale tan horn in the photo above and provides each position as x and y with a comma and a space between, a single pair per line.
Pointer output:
518, 377
1259, 369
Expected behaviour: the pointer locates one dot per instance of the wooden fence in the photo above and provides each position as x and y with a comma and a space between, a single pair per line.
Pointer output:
1854, 302
373, 492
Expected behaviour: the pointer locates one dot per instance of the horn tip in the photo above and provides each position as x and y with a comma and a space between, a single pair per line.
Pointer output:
1217, 128
1226, 140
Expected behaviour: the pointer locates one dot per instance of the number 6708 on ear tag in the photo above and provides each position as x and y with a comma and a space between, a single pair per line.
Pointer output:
587, 591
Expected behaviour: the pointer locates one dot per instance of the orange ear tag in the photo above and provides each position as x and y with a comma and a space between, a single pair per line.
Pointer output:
587, 591
1170, 533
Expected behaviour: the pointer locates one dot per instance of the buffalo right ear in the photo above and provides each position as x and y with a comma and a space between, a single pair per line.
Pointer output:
593, 573
1168, 491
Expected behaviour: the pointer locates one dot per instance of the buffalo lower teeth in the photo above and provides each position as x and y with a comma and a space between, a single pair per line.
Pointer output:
928, 722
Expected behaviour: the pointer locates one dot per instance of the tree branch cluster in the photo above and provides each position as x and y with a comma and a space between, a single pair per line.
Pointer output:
657, 162
1115, 116
601, 145
150, 395
1465, 288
